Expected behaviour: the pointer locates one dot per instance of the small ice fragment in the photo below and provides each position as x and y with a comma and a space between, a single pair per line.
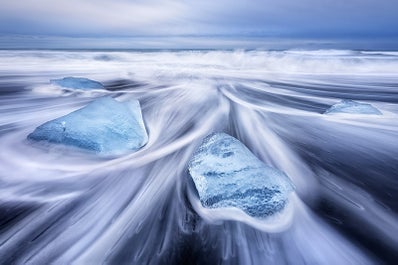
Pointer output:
352, 107
77, 83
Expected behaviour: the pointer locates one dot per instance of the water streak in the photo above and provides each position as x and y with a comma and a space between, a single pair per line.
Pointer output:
62, 205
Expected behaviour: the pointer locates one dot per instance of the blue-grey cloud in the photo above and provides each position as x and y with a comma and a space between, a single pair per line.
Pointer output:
207, 17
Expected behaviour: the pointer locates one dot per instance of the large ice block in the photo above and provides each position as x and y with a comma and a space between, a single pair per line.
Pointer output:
227, 174
104, 126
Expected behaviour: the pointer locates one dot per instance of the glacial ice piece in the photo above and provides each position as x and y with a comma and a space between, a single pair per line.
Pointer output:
227, 174
103, 126
353, 107
77, 83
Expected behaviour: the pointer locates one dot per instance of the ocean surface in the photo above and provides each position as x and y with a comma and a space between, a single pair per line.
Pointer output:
61, 205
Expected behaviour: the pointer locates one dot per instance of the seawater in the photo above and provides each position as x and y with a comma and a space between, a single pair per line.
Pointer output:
62, 205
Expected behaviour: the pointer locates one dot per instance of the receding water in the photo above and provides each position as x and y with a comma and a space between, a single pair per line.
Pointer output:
62, 205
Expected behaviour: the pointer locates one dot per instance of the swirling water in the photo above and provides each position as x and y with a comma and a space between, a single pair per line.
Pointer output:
61, 205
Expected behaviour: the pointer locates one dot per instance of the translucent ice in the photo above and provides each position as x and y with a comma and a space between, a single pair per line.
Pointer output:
77, 83
104, 126
353, 107
227, 174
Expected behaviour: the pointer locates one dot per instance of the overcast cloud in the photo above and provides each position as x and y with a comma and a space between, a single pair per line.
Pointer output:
292, 18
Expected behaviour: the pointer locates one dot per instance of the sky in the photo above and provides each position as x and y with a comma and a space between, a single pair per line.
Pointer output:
373, 20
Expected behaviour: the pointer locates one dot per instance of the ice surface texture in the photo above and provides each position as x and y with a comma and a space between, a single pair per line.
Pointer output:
77, 83
104, 126
353, 107
227, 174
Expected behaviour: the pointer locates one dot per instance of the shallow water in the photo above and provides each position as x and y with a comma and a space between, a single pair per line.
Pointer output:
62, 205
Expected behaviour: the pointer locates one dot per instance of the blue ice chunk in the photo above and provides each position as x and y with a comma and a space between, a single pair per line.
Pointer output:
227, 174
77, 83
353, 107
103, 126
